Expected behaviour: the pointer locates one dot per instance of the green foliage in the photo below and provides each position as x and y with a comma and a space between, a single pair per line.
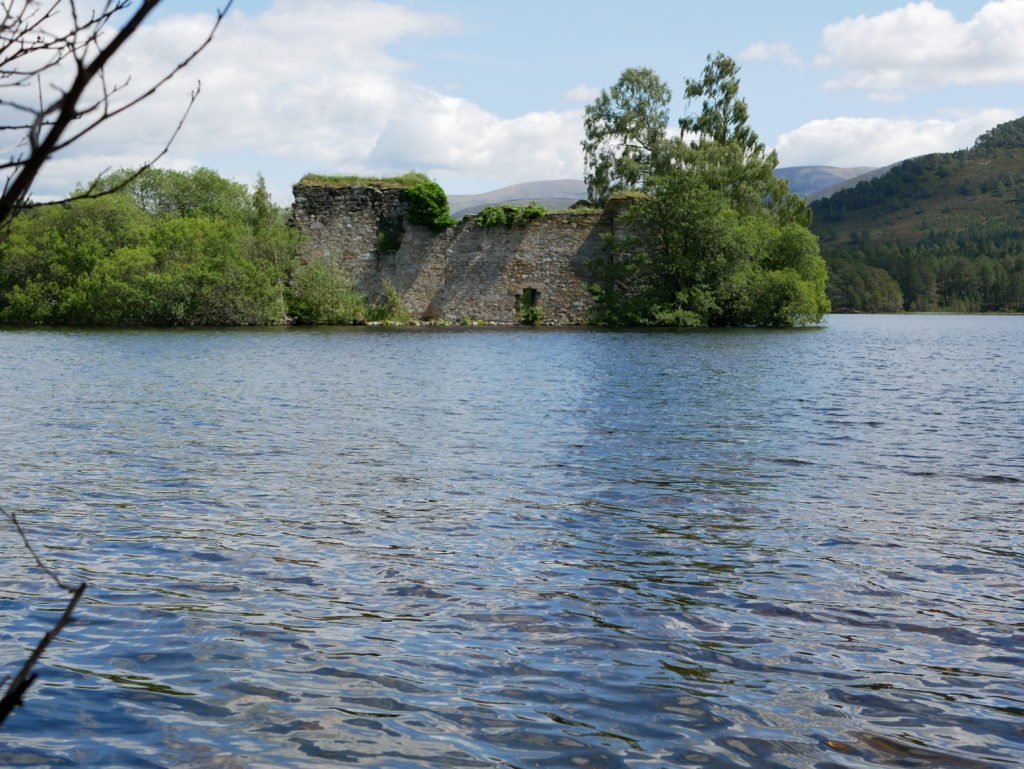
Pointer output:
1004, 136
856, 286
532, 315
273, 240
388, 306
582, 208
167, 248
723, 116
509, 215
623, 129
200, 192
321, 294
404, 182
429, 205
715, 238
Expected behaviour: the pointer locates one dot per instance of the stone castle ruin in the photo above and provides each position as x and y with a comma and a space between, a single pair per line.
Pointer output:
468, 272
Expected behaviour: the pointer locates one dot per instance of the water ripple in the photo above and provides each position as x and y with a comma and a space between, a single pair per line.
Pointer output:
521, 549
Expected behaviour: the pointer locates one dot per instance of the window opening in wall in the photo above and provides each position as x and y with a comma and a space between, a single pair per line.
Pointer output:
389, 239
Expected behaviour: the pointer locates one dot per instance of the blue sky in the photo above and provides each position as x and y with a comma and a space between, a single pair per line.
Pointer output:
485, 94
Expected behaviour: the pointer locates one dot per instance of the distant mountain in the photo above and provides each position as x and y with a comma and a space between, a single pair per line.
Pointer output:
810, 181
946, 230
847, 183
553, 195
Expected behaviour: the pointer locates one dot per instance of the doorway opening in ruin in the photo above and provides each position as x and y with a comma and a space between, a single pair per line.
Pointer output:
529, 306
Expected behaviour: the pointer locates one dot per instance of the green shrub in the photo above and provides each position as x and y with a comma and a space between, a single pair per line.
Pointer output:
531, 316
509, 215
388, 307
320, 294
429, 206
389, 240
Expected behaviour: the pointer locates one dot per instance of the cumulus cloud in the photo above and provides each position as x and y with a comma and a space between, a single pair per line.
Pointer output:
454, 135
783, 52
923, 46
876, 142
312, 86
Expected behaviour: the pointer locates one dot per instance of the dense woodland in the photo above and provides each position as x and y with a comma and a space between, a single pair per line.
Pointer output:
166, 248
939, 232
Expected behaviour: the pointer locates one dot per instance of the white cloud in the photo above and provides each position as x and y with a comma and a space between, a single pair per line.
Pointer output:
761, 51
455, 137
922, 46
582, 93
848, 141
312, 86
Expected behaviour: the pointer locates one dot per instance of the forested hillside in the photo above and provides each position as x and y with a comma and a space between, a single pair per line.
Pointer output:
943, 231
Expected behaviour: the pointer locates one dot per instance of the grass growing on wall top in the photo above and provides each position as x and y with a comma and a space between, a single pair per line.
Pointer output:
403, 182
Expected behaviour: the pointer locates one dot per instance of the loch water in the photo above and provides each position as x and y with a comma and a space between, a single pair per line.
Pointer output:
519, 547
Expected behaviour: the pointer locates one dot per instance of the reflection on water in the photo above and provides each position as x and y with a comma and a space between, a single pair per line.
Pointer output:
521, 548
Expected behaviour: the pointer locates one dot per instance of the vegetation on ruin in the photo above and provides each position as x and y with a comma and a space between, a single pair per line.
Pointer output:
509, 215
428, 205
531, 314
403, 182
713, 238
428, 201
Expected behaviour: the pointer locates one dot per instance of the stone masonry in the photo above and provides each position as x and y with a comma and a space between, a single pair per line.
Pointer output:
467, 272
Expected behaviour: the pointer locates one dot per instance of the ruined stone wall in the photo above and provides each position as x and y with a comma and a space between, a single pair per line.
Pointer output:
466, 272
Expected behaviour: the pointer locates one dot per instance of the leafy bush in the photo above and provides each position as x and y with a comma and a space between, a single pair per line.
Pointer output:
388, 307
429, 206
531, 315
509, 215
389, 240
321, 294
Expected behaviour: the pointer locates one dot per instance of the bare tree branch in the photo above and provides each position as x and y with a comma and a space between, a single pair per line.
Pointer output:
97, 189
25, 677
32, 50
39, 44
15, 691
28, 546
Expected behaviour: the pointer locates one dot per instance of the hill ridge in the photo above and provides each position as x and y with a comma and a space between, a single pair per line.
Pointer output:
939, 231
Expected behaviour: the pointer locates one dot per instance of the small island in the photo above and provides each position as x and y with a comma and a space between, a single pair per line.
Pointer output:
687, 230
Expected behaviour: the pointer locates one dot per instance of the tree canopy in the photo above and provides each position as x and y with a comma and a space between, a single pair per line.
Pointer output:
167, 248
624, 127
715, 238
171, 248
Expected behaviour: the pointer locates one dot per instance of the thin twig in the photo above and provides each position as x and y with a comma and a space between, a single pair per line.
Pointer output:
28, 546
25, 677
94, 189
70, 116
15, 692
